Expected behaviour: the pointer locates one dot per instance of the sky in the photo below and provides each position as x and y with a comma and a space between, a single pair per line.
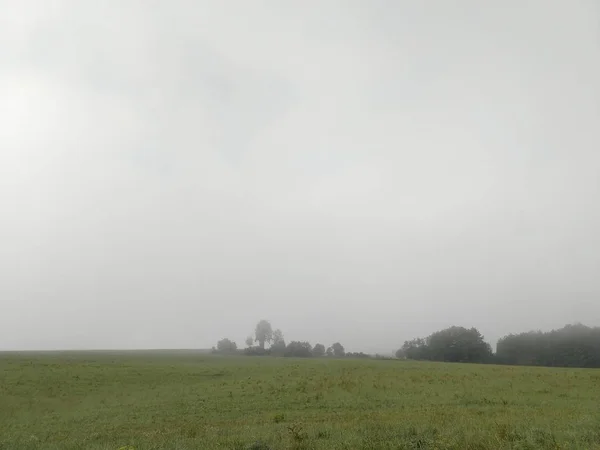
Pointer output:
355, 171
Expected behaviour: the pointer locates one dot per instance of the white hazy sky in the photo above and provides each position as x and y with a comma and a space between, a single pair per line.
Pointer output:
361, 171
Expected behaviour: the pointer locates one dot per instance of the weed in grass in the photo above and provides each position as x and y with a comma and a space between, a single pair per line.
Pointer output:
278, 418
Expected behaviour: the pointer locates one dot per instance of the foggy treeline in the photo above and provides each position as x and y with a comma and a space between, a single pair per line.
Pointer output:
571, 346
264, 333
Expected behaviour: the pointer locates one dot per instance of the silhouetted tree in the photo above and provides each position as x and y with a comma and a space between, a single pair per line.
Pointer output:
226, 346
400, 354
338, 349
459, 344
329, 351
278, 346
278, 337
319, 350
249, 341
263, 333
416, 349
454, 344
298, 349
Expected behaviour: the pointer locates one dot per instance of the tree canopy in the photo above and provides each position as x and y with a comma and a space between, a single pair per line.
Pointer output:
571, 346
226, 346
338, 349
278, 346
298, 349
319, 350
454, 344
263, 333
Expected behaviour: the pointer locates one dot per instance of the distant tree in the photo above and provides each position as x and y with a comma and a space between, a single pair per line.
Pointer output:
454, 344
571, 346
416, 349
226, 346
359, 355
400, 354
338, 349
278, 347
298, 349
329, 352
319, 350
459, 344
249, 341
256, 351
263, 333
278, 337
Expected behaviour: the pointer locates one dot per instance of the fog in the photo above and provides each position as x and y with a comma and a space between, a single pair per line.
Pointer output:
362, 172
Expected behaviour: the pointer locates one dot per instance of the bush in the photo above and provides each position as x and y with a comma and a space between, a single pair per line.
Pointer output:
256, 351
357, 355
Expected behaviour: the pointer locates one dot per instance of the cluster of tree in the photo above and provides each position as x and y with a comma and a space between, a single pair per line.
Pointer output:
571, 346
454, 344
226, 346
264, 334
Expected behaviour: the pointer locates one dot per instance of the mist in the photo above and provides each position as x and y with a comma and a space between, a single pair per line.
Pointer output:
361, 172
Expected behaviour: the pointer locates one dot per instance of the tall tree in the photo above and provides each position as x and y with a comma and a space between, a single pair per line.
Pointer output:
278, 345
263, 333
278, 338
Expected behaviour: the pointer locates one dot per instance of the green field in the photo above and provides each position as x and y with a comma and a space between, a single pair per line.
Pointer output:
196, 401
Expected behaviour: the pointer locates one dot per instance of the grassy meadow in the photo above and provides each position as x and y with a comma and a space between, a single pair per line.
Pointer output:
103, 400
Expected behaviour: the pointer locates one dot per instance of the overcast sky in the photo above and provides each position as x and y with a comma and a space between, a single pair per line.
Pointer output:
361, 171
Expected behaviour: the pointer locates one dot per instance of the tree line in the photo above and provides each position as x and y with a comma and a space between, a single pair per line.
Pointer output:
264, 334
571, 346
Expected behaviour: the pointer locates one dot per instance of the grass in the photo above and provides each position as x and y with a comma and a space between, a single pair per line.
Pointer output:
197, 401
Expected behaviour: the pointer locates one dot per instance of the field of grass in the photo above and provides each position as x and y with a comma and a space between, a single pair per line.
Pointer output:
197, 401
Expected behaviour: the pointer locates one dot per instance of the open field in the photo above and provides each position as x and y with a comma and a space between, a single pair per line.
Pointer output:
104, 400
